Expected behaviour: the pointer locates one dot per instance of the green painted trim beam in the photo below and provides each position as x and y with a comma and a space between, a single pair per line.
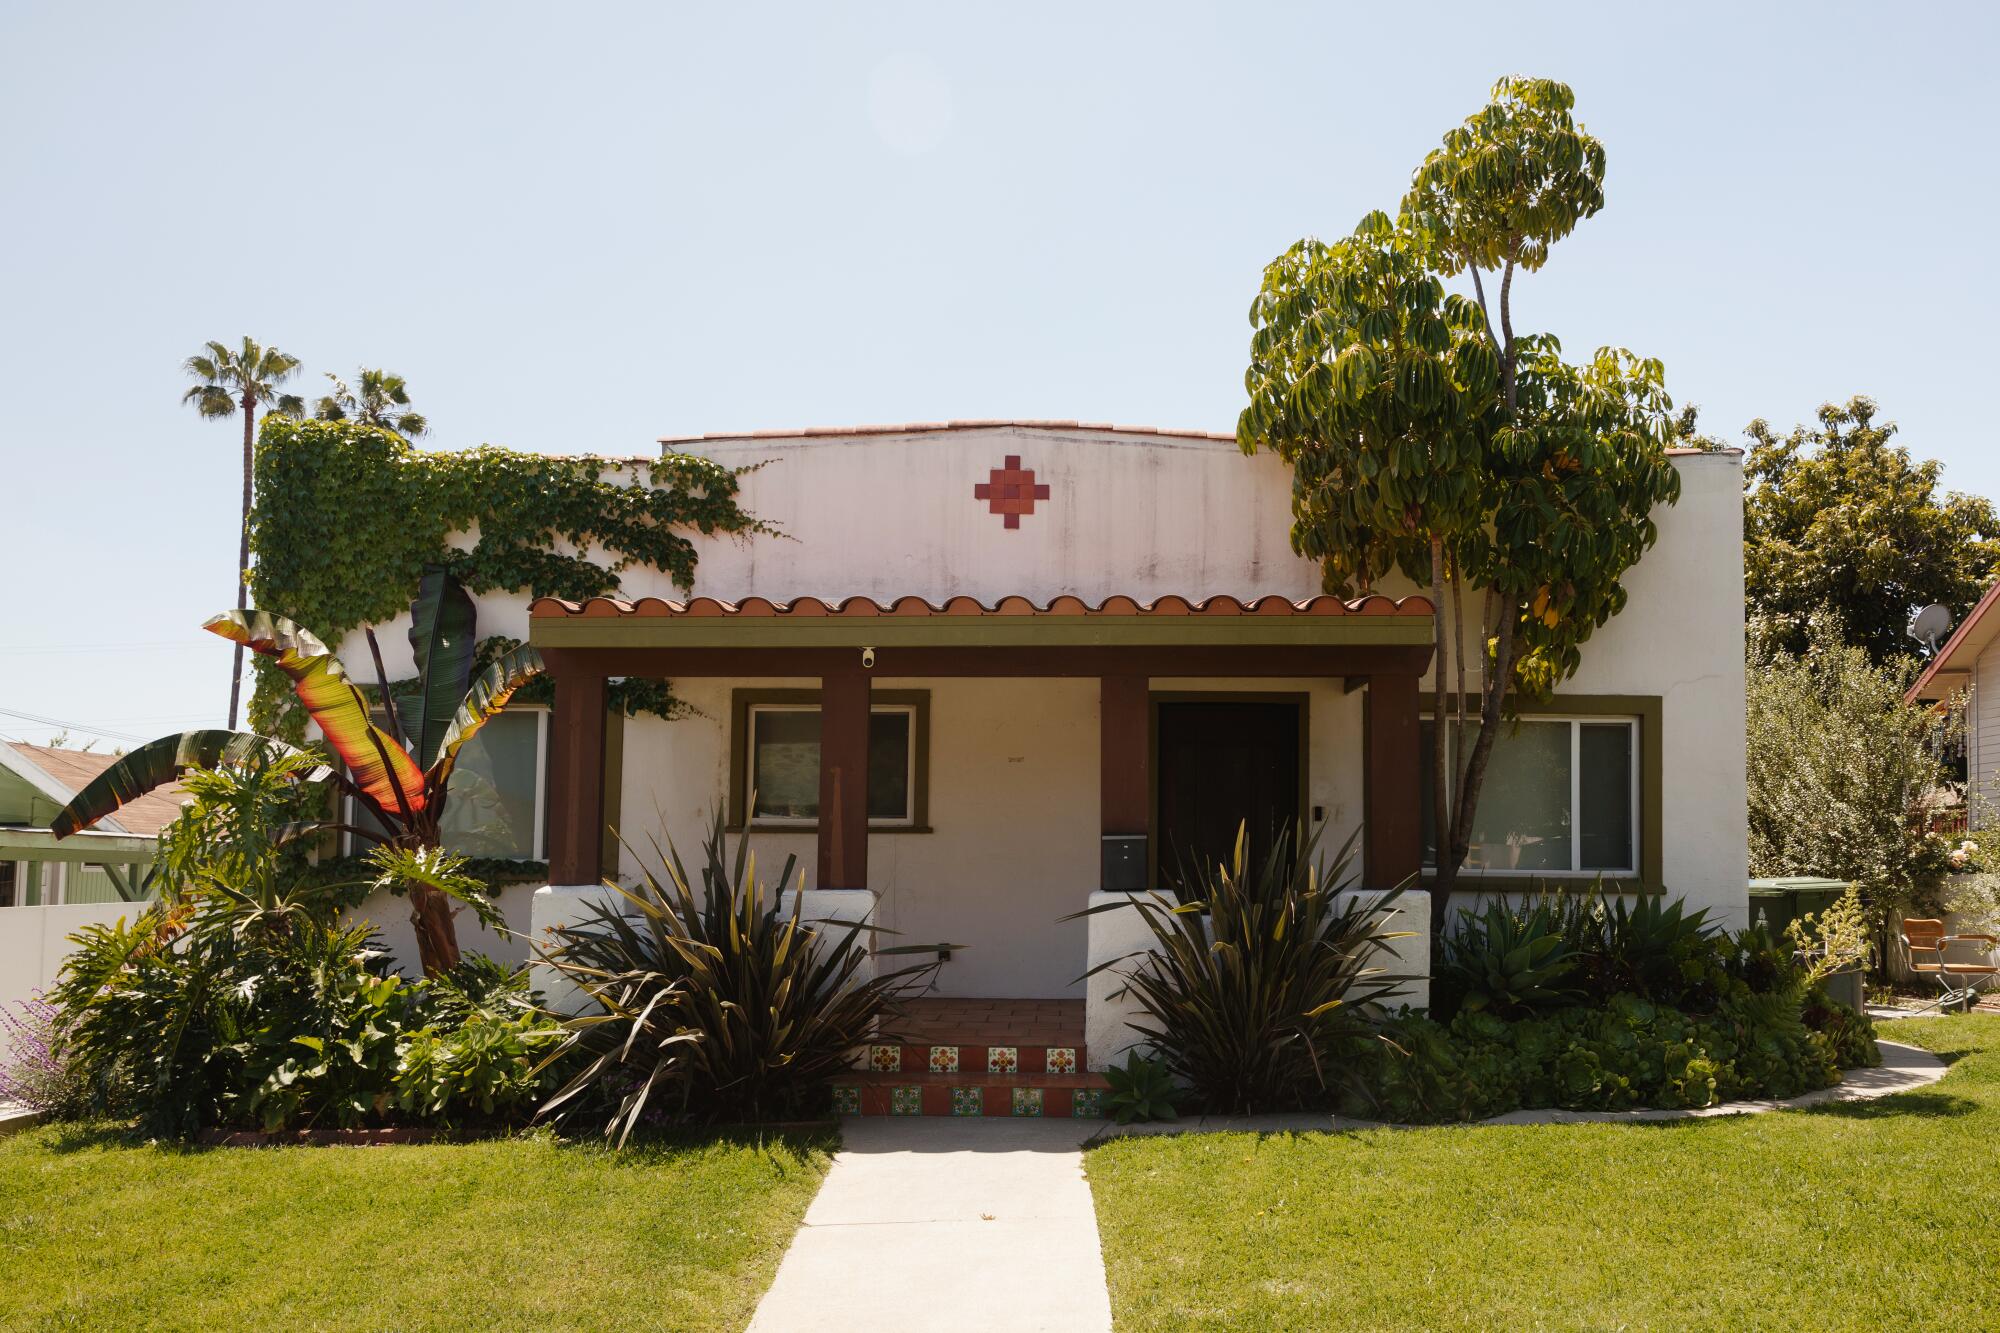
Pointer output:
994, 631
34, 844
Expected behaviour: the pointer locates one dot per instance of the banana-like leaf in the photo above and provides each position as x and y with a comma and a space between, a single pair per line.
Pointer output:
488, 695
156, 763
377, 760
442, 621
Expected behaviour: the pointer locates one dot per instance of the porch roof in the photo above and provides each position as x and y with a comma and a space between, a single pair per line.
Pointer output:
1014, 621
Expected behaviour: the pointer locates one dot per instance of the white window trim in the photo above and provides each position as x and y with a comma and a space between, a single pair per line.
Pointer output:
351, 809
1577, 722
908, 819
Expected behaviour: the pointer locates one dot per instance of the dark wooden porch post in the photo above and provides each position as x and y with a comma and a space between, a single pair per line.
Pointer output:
843, 781
1124, 781
576, 779
1392, 814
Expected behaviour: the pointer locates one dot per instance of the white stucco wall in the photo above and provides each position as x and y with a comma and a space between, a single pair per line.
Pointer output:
390, 918
1014, 762
1680, 637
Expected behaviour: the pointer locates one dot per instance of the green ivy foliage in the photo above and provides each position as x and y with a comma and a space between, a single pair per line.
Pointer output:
347, 516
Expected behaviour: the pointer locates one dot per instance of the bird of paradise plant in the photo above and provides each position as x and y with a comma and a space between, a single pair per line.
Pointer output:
402, 784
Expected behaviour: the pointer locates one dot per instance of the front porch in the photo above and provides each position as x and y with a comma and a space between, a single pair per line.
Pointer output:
1038, 757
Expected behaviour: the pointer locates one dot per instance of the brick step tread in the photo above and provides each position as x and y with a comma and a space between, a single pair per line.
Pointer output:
970, 1078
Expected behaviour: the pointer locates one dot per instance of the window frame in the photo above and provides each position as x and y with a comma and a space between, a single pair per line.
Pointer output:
1645, 713
351, 845
745, 704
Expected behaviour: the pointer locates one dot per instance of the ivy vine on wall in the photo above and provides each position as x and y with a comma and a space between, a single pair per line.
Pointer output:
348, 515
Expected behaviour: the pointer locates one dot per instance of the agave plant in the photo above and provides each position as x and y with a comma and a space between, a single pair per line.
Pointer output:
400, 774
1656, 949
1506, 961
1261, 976
717, 1004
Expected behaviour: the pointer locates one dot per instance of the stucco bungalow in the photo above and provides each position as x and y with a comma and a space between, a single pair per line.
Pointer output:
995, 670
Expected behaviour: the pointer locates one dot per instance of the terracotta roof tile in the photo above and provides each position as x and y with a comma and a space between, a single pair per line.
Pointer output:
76, 769
1015, 605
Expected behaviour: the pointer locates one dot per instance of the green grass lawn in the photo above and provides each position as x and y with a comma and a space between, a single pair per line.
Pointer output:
527, 1233
1874, 1215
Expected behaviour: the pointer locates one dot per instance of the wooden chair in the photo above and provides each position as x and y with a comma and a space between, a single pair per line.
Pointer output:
1927, 945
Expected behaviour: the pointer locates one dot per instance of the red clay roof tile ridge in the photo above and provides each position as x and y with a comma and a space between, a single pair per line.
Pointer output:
1011, 604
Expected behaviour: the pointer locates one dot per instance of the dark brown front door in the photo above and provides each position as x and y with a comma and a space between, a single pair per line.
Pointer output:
1222, 764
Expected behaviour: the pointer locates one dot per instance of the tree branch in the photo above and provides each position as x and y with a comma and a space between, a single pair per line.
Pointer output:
1441, 814
1479, 290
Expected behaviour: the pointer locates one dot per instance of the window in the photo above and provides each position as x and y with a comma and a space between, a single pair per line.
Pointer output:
495, 802
1560, 797
775, 758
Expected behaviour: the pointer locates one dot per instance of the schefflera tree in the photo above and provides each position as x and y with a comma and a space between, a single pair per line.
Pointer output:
1428, 437
399, 774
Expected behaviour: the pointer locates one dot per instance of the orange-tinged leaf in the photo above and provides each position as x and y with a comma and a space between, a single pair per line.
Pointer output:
377, 760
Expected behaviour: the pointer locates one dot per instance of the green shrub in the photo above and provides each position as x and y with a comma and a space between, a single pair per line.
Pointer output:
491, 1066
1507, 961
241, 1001
1654, 948
190, 1028
1555, 947
1627, 1054
1261, 982
1846, 1036
1140, 1089
717, 1005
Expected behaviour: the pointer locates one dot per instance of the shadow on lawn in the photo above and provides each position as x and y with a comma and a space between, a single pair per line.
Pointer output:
1921, 1104
90, 1135
781, 1148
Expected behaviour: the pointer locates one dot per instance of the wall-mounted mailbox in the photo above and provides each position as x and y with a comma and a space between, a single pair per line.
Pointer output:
1124, 863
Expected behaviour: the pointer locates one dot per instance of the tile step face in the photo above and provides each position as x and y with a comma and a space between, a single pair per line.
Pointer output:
969, 1058
1079, 1096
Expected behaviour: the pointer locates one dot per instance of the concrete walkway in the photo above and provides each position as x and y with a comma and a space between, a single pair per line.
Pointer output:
933, 1222
15, 1117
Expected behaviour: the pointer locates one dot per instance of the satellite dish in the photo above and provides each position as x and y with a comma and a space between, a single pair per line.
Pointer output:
1930, 625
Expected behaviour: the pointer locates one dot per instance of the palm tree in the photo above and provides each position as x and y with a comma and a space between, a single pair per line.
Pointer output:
245, 379
383, 400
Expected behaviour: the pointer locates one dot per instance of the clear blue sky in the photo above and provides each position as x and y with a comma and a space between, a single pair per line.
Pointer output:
579, 227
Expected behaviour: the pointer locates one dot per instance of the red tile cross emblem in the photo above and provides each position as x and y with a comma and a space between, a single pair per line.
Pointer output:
1010, 491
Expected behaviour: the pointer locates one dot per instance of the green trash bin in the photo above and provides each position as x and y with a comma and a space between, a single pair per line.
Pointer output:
1779, 901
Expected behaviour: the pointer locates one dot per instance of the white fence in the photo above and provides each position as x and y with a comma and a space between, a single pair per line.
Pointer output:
35, 940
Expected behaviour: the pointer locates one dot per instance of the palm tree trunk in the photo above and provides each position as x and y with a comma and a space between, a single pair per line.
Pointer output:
242, 557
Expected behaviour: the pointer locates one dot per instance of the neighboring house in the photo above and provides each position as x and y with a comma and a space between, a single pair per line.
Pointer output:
994, 668
1968, 663
103, 864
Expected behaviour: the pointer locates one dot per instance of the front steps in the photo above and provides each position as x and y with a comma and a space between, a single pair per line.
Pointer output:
964, 1057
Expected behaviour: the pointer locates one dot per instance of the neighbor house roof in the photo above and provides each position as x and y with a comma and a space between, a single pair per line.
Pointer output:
1950, 668
60, 774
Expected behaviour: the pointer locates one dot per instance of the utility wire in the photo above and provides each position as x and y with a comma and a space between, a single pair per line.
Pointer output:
40, 720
